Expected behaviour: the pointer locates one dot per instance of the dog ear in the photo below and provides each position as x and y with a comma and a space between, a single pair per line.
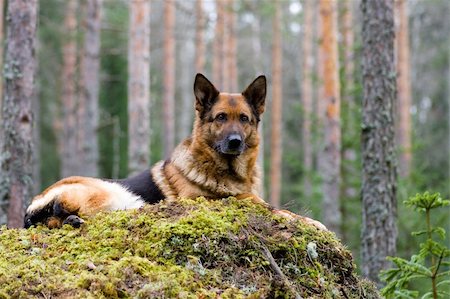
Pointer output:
205, 94
255, 94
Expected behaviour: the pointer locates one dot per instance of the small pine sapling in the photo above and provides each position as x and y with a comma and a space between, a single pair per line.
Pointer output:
430, 264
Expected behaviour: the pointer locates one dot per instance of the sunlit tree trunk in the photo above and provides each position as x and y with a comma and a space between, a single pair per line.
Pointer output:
379, 232
277, 98
403, 107
199, 37
231, 44
68, 142
90, 80
16, 181
257, 64
218, 57
169, 77
306, 86
330, 161
139, 86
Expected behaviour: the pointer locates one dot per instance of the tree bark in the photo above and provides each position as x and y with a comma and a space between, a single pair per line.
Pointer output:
2, 41
199, 40
379, 175
306, 86
169, 77
330, 162
90, 66
218, 57
17, 130
231, 44
277, 98
68, 142
139, 86
403, 129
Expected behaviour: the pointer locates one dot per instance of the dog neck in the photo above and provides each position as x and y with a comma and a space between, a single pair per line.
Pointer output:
225, 175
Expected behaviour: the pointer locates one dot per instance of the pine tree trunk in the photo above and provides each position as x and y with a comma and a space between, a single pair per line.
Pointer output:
17, 127
90, 80
2, 41
199, 40
68, 142
169, 77
307, 81
379, 230
218, 57
231, 43
188, 62
139, 86
277, 98
330, 161
257, 64
403, 107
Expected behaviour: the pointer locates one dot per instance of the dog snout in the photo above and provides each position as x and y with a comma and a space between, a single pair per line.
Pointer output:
234, 141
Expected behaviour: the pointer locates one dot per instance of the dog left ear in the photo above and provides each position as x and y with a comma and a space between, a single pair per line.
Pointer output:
255, 94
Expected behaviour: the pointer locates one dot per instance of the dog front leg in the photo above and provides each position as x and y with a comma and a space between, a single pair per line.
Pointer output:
284, 213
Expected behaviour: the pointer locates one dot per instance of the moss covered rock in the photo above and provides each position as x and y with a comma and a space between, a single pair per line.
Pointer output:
180, 249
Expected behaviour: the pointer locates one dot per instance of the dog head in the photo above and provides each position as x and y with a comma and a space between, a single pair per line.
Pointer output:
229, 121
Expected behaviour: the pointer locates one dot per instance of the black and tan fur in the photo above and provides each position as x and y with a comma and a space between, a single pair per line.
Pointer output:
218, 160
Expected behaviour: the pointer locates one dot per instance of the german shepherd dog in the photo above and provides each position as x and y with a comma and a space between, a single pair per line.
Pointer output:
217, 161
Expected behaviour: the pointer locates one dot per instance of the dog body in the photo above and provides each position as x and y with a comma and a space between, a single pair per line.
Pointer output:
218, 160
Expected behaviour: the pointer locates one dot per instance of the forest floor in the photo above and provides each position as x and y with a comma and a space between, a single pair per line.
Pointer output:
180, 249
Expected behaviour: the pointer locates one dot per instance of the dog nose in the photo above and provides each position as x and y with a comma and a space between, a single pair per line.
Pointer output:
234, 141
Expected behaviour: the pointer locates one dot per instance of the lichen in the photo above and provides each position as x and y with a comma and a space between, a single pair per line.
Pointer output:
183, 249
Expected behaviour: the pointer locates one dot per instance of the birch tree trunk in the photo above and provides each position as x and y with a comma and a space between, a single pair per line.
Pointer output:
68, 142
330, 161
277, 98
403, 107
379, 232
139, 86
16, 179
90, 66
307, 81
169, 77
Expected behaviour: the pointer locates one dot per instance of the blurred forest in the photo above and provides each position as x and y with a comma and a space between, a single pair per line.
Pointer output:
231, 42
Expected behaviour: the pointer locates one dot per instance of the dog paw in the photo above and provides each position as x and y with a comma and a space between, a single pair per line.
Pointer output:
73, 220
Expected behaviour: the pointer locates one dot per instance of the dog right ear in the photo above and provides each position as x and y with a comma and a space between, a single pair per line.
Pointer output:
205, 94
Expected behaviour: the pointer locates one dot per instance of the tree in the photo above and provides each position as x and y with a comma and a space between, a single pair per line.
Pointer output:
199, 37
17, 128
68, 146
277, 98
307, 81
139, 86
330, 160
231, 47
169, 77
379, 174
218, 59
2, 5
404, 87
88, 104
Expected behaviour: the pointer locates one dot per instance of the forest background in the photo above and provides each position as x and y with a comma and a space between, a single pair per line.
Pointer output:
231, 42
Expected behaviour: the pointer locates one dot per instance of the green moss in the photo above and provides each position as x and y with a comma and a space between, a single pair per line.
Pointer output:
185, 248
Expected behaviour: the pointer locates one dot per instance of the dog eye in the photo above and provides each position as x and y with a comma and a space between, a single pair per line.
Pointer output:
244, 118
221, 117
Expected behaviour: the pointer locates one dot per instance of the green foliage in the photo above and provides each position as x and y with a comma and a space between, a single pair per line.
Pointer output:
179, 249
429, 265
